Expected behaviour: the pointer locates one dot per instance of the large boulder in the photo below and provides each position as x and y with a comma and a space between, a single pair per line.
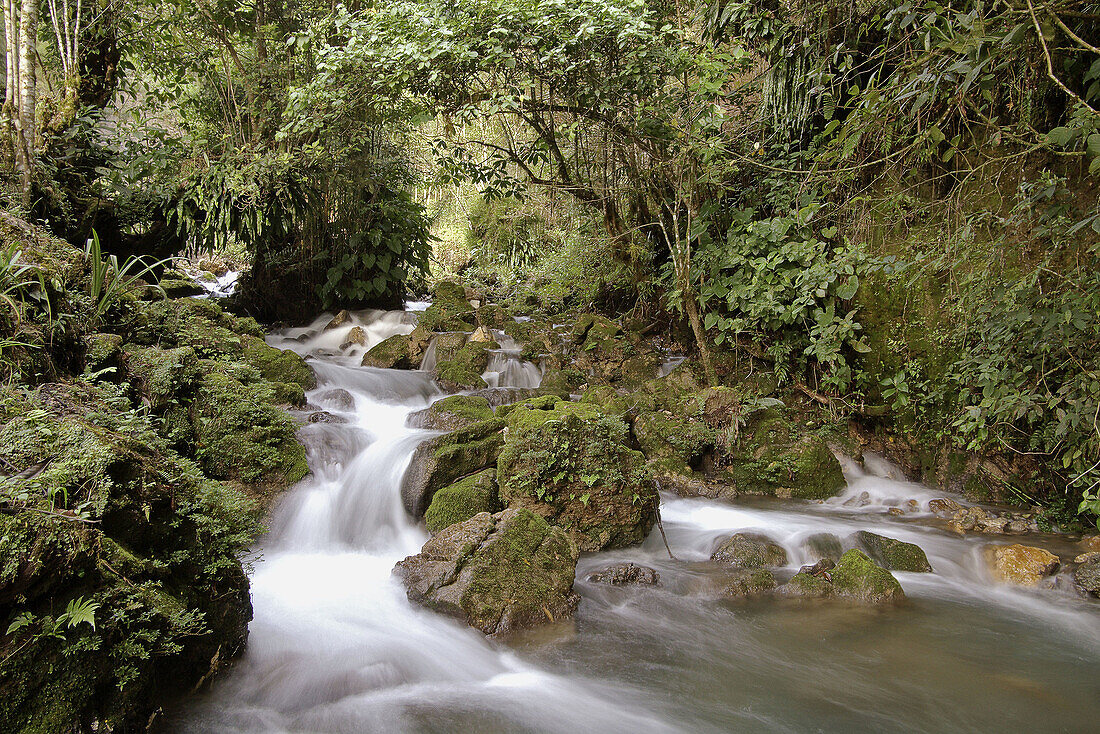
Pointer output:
743, 550
855, 578
450, 310
572, 466
462, 371
442, 460
891, 554
395, 352
462, 500
775, 457
452, 413
277, 365
497, 573
1020, 565
673, 444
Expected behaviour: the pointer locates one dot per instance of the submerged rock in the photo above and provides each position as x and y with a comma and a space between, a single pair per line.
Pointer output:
625, 574
1021, 565
855, 578
746, 582
749, 551
497, 573
462, 500
893, 555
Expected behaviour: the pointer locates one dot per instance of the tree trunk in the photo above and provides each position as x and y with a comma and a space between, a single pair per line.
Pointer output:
692, 310
11, 87
28, 91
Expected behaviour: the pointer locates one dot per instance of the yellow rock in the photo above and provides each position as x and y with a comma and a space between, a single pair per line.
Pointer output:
1022, 565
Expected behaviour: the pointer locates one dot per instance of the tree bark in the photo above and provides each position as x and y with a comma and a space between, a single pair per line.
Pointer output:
28, 91
692, 309
11, 86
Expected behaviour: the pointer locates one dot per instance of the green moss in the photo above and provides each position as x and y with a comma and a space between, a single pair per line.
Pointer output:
391, 353
535, 412
462, 500
683, 440
463, 370
453, 412
747, 551
162, 374
856, 576
809, 586
775, 457
103, 350
240, 435
894, 555
277, 365
450, 311
749, 582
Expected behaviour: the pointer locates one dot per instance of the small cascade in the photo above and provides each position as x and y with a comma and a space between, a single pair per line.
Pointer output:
507, 369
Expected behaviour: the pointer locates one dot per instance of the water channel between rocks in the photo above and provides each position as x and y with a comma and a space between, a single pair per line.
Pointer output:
336, 647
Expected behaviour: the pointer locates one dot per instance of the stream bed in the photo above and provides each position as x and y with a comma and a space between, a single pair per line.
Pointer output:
336, 647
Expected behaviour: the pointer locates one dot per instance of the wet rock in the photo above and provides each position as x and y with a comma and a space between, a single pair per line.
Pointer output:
463, 370
820, 569
625, 574
1086, 576
341, 318
323, 416
451, 413
462, 500
571, 465
180, 287
824, 545
443, 460
277, 365
891, 554
356, 337
807, 586
776, 457
450, 310
338, 399
857, 577
497, 573
749, 551
1020, 564
482, 334
447, 346
944, 507
395, 352
1090, 543
498, 396
746, 582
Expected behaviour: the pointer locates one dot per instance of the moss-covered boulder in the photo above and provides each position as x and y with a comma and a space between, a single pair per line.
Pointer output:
743, 550
562, 382
160, 375
240, 434
180, 287
775, 457
578, 473
462, 500
497, 573
747, 582
858, 577
449, 311
277, 365
463, 370
452, 413
115, 518
891, 554
394, 352
807, 586
442, 460
448, 345
673, 444
103, 351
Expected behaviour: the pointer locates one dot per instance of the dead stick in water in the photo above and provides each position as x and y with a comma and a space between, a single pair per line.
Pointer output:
661, 525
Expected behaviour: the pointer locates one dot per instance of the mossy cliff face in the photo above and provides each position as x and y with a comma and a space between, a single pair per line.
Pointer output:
572, 466
497, 573
774, 457
137, 448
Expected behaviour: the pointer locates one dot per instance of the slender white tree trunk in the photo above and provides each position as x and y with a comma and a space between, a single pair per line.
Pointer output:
28, 90
11, 80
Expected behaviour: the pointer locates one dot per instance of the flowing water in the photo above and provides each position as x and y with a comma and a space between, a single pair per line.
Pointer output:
336, 647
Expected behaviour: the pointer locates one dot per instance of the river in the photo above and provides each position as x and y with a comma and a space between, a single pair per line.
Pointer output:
336, 647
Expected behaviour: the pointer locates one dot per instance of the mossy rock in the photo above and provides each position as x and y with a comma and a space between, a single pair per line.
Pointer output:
277, 365
807, 586
493, 316
498, 573
857, 577
241, 435
160, 375
394, 352
449, 311
452, 413
775, 457
189, 322
103, 351
577, 471
893, 555
442, 460
462, 500
448, 345
748, 582
539, 402
664, 436
743, 550
562, 382
180, 287
533, 413
463, 370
